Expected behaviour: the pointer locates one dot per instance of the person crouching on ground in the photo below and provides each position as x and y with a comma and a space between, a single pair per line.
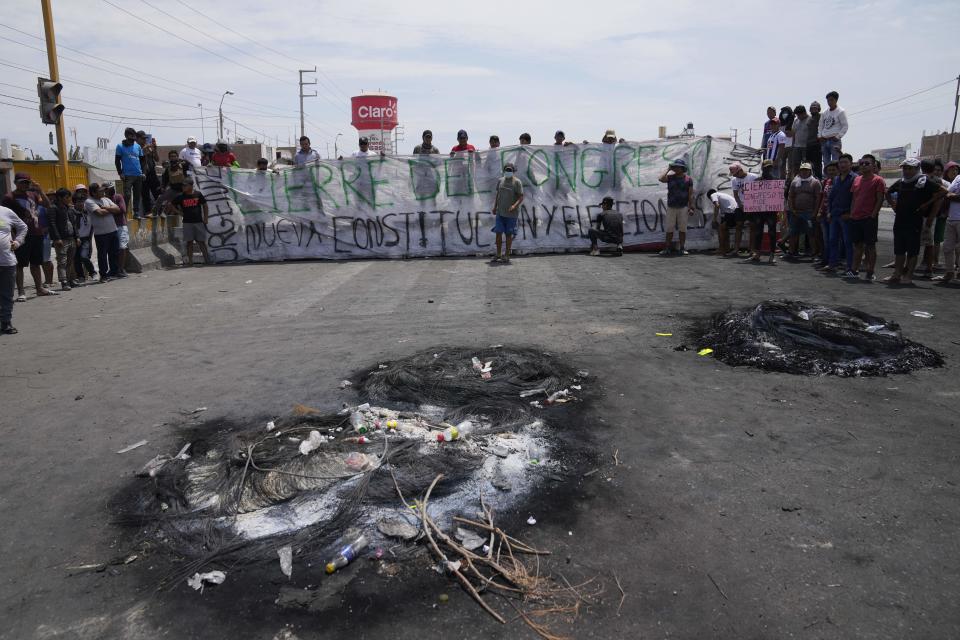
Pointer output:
192, 206
609, 228
724, 218
740, 178
505, 206
679, 204
911, 198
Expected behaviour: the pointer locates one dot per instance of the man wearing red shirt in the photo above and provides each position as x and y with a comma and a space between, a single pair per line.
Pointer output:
868, 190
462, 144
223, 157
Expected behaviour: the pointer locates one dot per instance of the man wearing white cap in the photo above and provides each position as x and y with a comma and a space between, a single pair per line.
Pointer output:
912, 199
191, 153
805, 193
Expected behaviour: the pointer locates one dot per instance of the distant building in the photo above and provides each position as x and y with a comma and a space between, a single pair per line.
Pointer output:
936, 146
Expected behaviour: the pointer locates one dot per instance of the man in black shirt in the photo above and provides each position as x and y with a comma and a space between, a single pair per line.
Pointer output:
193, 207
609, 227
915, 200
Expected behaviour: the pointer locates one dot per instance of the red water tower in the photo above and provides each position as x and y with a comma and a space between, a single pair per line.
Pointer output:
375, 116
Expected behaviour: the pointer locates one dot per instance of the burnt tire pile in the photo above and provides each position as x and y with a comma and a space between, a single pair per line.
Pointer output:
797, 337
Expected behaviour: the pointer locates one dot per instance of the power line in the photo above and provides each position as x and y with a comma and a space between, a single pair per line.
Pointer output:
915, 93
192, 44
212, 37
113, 115
334, 86
19, 106
177, 84
127, 93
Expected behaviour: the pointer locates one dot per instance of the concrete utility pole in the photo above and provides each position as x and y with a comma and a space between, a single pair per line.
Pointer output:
55, 77
220, 109
302, 95
953, 128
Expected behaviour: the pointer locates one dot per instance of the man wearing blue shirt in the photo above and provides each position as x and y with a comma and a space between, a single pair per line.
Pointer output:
839, 204
129, 162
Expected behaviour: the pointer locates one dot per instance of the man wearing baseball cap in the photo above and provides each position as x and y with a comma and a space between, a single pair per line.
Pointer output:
609, 137
679, 204
609, 228
426, 146
505, 206
26, 200
365, 151
912, 198
805, 193
191, 154
462, 144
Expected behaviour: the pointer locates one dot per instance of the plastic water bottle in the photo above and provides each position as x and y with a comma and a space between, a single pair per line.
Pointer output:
348, 552
455, 433
358, 422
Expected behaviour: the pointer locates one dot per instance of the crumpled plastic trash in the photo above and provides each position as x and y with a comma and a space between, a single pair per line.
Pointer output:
345, 383
133, 446
397, 528
286, 560
153, 466
531, 521
469, 539
921, 314
532, 392
314, 441
213, 577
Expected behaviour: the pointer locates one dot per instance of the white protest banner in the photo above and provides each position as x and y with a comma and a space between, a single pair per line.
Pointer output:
415, 206
763, 195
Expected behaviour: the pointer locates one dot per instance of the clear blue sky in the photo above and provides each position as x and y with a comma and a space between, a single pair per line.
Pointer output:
489, 67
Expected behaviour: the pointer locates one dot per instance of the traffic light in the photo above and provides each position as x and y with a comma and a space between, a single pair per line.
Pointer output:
50, 107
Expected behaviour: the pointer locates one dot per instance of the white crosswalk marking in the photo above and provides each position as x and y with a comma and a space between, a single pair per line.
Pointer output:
296, 302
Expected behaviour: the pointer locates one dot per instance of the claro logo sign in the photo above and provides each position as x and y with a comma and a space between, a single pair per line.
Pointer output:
374, 112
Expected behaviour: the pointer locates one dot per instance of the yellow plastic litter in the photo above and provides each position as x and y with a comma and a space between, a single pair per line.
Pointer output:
705, 352
664, 335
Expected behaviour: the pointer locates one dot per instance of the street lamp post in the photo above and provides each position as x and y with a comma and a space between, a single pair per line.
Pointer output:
225, 94
203, 133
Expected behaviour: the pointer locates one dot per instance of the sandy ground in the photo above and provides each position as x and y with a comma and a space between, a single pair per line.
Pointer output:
745, 504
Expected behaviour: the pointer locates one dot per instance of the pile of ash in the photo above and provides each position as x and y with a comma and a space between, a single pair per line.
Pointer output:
798, 337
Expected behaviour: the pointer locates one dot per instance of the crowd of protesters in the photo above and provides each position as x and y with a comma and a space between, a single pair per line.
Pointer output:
832, 202
60, 233
830, 207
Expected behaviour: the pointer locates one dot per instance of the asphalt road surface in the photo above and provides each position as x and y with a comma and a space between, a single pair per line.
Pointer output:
745, 504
